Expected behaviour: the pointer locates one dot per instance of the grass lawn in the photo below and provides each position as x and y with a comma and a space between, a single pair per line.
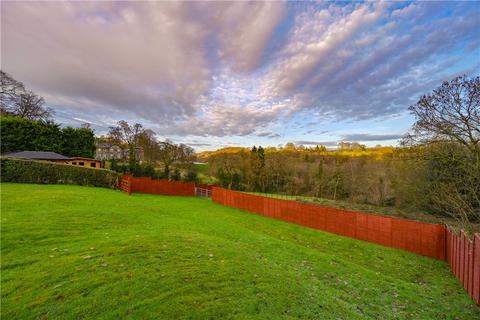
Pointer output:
71, 252
200, 167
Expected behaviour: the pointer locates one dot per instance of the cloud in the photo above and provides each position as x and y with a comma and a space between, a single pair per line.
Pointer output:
236, 69
244, 29
146, 57
195, 144
316, 143
371, 137
316, 36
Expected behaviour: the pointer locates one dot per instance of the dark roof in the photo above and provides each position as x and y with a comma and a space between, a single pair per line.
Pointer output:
36, 155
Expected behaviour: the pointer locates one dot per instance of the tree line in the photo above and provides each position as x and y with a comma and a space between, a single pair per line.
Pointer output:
436, 169
162, 159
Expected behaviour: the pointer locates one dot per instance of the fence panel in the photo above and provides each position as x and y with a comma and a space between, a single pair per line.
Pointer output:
153, 186
476, 269
463, 256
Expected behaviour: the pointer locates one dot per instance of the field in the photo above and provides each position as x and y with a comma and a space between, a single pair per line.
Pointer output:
71, 252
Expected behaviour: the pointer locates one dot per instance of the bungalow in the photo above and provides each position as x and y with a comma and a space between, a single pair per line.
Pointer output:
55, 157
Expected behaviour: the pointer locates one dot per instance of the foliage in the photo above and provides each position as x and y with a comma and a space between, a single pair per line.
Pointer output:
175, 175
153, 257
408, 178
191, 176
350, 149
43, 172
78, 142
20, 134
145, 169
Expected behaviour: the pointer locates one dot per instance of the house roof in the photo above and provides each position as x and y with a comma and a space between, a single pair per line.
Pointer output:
37, 155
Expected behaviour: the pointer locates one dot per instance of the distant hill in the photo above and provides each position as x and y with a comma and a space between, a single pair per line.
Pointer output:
378, 151
204, 155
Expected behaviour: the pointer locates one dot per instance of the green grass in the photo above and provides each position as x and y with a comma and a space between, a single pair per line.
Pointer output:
200, 167
155, 257
203, 175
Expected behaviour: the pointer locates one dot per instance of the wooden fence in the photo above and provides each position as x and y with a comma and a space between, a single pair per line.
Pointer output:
156, 186
463, 256
125, 184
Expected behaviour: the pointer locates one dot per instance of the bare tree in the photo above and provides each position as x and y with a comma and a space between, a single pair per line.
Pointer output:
448, 126
11, 89
451, 112
30, 106
170, 153
124, 133
16, 100
149, 144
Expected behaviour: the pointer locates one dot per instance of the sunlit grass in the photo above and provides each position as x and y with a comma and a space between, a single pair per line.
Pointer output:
72, 252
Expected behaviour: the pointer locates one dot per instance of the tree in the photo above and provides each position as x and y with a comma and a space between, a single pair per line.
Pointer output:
447, 125
170, 153
10, 90
226, 167
451, 112
257, 166
19, 134
16, 100
78, 142
124, 133
149, 145
30, 106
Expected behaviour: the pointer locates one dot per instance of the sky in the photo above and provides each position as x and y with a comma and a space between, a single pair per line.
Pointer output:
216, 74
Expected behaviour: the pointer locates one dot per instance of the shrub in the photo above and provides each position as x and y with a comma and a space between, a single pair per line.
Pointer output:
31, 171
191, 176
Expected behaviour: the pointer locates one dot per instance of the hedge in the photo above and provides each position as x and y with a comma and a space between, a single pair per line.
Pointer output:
44, 172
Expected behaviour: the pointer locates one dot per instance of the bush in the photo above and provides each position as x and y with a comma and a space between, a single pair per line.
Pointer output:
191, 176
141, 169
43, 172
